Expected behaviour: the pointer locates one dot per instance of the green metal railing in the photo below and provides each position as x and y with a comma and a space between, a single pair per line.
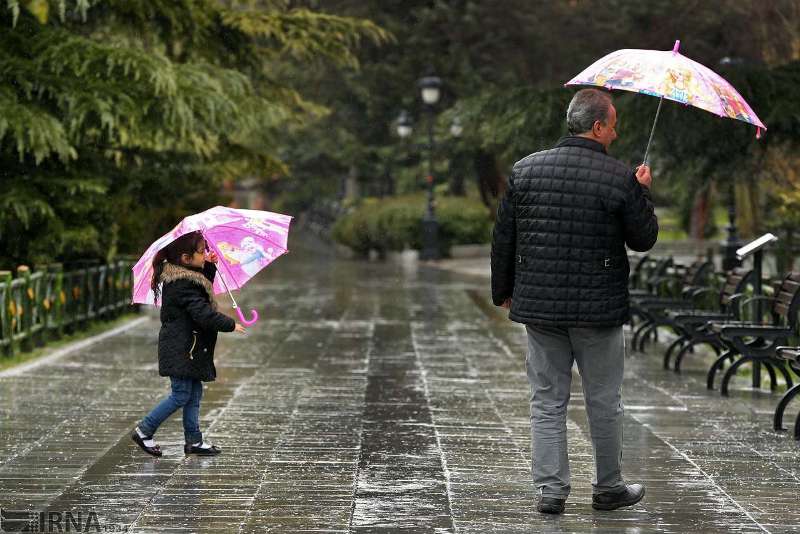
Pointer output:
43, 305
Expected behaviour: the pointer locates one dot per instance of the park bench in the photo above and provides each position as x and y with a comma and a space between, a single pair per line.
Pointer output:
689, 324
644, 282
792, 357
684, 282
643, 267
756, 342
653, 273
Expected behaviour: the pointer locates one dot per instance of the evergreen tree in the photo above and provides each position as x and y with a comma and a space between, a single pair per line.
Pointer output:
120, 116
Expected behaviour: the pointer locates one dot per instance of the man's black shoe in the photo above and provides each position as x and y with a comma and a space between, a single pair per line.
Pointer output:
632, 494
551, 505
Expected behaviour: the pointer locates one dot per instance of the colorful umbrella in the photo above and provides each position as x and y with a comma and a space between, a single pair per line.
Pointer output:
668, 74
245, 241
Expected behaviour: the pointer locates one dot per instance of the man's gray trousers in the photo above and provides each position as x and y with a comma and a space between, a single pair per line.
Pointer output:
599, 353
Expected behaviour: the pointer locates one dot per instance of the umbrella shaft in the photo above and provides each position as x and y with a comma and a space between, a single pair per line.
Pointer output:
228, 290
652, 130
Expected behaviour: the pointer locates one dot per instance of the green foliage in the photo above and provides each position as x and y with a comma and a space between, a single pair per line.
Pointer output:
122, 116
394, 224
504, 63
306, 35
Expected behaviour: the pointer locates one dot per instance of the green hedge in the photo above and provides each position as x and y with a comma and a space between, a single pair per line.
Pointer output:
395, 223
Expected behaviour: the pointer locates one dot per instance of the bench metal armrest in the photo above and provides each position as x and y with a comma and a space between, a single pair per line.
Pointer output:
734, 305
697, 291
788, 353
758, 298
747, 301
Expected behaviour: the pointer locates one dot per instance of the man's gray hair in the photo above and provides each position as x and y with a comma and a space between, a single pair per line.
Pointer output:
586, 107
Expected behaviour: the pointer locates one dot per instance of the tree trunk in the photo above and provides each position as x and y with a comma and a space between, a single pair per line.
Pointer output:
457, 188
748, 218
491, 183
351, 189
701, 209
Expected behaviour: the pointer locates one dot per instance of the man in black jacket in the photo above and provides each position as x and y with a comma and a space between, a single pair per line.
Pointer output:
559, 264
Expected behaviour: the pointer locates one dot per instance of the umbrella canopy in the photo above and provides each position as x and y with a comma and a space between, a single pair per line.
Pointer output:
245, 241
668, 74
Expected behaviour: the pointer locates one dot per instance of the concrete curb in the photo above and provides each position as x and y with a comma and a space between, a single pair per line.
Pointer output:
60, 353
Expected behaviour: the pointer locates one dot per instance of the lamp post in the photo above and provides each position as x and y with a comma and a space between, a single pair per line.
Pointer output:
455, 171
456, 128
729, 259
404, 125
430, 91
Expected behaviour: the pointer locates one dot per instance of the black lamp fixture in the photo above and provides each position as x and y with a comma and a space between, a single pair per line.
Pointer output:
404, 125
456, 128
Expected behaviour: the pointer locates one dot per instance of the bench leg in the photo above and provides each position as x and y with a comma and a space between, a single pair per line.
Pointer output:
677, 344
651, 332
777, 418
638, 332
689, 348
787, 376
716, 366
643, 333
723, 389
773, 378
797, 427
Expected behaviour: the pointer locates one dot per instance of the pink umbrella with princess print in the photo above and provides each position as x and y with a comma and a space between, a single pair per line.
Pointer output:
245, 241
668, 74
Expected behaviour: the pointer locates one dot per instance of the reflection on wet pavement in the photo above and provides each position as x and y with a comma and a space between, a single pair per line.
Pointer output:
376, 398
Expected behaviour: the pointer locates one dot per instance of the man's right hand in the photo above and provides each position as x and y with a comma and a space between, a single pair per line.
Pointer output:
506, 304
643, 175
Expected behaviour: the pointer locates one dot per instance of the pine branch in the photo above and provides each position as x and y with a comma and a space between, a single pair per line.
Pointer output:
305, 35
32, 130
126, 95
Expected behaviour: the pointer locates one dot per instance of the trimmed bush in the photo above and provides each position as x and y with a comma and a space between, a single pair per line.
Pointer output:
394, 224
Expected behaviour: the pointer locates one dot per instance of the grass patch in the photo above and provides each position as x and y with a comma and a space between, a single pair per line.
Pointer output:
94, 328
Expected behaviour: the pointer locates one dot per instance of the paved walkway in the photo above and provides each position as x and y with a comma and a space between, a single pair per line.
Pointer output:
375, 398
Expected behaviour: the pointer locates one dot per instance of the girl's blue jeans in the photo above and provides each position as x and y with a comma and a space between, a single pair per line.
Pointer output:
186, 393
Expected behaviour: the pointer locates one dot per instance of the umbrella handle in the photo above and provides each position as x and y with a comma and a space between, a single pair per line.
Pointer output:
247, 322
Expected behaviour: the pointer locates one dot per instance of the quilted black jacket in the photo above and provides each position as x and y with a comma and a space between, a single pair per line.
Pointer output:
189, 323
558, 248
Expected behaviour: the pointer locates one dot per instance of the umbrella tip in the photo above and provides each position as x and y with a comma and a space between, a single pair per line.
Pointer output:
677, 45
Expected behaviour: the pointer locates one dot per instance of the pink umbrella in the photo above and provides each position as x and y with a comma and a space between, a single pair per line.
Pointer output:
245, 241
668, 74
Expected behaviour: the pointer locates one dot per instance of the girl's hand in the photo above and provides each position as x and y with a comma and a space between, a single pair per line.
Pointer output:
212, 256
239, 328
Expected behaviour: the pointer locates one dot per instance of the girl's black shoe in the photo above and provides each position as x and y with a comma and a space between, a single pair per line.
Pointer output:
153, 451
201, 451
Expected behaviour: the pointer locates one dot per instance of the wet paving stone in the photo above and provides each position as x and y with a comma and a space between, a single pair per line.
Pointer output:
377, 397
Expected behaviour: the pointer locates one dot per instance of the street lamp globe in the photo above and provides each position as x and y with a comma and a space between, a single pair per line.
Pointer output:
404, 125
456, 128
430, 89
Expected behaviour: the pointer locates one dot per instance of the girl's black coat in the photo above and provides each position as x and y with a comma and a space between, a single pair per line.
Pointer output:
189, 323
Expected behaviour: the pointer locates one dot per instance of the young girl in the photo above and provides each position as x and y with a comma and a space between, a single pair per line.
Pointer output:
182, 277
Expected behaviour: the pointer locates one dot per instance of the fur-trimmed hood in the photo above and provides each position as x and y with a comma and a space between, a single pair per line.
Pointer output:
174, 272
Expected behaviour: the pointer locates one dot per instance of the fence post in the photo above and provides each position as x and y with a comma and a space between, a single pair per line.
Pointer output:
55, 300
5, 314
26, 313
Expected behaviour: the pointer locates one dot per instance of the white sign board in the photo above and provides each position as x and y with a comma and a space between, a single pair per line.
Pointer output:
755, 245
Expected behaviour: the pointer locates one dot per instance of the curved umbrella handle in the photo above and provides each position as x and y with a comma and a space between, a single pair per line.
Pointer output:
246, 322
